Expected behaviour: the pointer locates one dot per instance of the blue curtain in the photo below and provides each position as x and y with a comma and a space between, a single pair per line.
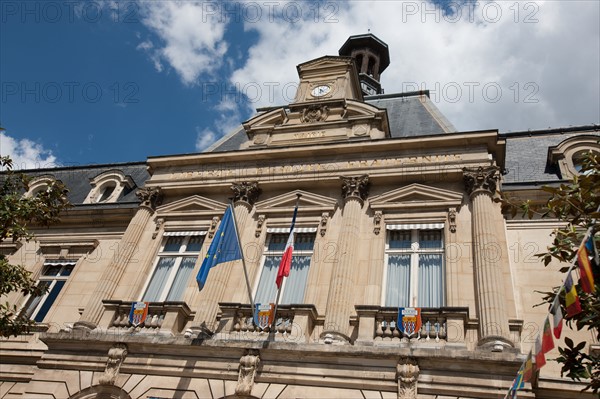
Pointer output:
398, 281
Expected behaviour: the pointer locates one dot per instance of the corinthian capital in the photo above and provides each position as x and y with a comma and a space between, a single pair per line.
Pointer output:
481, 179
246, 191
150, 196
355, 187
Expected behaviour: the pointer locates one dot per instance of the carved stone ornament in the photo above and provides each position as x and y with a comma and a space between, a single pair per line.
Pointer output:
377, 222
259, 224
452, 219
213, 226
247, 372
116, 356
407, 372
246, 191
150, 196
157, 223
314, 113
324, 220
481, 179
357, 187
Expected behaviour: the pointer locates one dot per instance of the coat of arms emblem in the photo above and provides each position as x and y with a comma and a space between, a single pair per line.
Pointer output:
138, 313
264, 315
409, 320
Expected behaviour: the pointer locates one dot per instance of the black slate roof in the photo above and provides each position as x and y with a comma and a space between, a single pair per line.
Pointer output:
77, 179
527, 153
409, 115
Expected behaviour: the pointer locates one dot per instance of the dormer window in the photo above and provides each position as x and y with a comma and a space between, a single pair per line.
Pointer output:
108, 187
38, 185
569, 154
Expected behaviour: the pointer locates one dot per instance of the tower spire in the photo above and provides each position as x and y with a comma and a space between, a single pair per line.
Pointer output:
372, 57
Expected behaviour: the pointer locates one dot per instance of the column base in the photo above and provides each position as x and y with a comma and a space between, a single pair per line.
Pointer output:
334, 338
495, 344
84, 325
201, 331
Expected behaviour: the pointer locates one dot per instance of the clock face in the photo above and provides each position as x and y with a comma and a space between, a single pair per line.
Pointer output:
320, 90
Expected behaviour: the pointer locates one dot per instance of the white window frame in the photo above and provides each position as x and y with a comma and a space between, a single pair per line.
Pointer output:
414, 251
53, 280
179, 255
266, 253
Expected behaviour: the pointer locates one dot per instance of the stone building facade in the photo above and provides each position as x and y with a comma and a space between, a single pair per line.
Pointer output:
396, 209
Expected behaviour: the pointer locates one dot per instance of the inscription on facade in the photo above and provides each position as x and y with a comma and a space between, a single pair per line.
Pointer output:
263, 170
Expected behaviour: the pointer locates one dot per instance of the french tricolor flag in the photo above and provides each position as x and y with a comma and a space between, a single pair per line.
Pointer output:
286, 259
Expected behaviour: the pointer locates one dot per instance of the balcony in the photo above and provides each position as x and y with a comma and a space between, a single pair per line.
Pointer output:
440, 327
163, 317
294, 323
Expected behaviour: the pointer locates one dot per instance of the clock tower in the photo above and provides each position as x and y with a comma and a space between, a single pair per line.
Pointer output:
329, 105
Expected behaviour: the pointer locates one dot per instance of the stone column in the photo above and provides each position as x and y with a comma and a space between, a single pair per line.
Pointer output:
113, 273
245, 195
339, 301
480, 183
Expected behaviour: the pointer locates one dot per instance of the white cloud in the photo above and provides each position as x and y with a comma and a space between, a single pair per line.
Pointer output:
542, 56
204, 138
26, 154
190, 38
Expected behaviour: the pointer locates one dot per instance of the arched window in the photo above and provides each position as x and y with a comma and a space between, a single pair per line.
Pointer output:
569, 154
108, 186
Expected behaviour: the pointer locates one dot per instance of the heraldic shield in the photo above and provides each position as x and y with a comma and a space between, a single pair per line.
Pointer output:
409, 320
138, 313
263, 317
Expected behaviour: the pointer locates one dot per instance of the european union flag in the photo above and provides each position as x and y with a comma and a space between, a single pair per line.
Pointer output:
225, 247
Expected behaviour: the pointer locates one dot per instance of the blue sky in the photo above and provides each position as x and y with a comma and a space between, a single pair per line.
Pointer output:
106, 81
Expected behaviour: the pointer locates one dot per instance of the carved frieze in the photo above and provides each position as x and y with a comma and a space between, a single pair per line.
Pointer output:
355, 187
116, 356
481, 179
407, 372
247, 372
246, 191
150, 196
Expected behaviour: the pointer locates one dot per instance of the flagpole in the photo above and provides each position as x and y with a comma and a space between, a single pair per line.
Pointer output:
298, 195
243, 258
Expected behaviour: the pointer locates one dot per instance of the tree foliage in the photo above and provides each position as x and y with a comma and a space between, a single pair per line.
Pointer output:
17, 214
576, 203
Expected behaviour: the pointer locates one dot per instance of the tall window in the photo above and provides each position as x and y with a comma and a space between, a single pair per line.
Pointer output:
415, 267
176, 260
54, 276
293, 286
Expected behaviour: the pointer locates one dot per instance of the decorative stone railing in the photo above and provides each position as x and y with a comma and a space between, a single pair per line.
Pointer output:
170, 317
378, 325
294, 323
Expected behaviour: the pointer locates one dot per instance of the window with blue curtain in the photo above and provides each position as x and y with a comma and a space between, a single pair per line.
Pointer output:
174, 265
414, 267
54, 276
294, 285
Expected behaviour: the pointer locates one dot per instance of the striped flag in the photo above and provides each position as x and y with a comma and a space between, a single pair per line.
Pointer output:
571, 298
286, 259
557, 318
528, 370
585, 269
540, 359
547, 341
591, 249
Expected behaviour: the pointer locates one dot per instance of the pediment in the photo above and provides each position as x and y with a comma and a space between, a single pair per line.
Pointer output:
327, 61
266, 120
194, 205
417, 196
285, 203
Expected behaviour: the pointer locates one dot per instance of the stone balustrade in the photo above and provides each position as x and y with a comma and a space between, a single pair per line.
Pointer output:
170, 317
447, 325
295, 323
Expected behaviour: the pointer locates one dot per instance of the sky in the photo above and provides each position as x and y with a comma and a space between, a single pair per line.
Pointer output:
99, 82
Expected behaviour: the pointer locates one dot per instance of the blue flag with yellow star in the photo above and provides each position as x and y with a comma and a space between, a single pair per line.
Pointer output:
225, 247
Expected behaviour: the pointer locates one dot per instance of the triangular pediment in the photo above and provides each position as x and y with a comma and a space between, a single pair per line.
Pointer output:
285, 203
417, 196
268, 119
327, 61
194, 205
